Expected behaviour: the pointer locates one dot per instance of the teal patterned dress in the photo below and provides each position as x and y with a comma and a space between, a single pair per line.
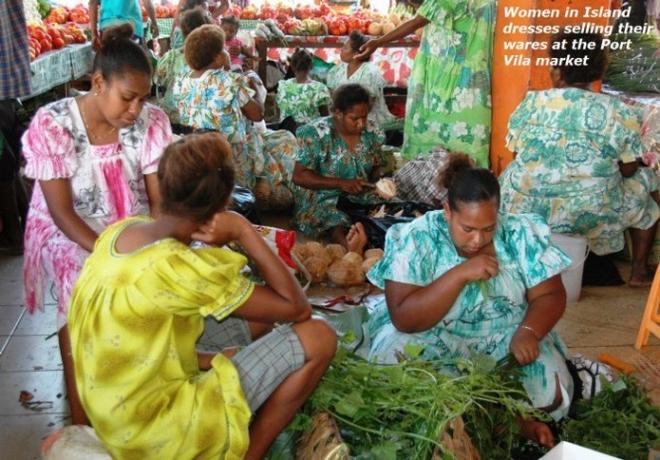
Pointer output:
486, 314
449, 102
322, 150
569, 142
301, 100
214, 101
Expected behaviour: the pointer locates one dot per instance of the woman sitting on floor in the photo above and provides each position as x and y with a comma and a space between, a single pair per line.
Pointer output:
577, 162
339, 154
137, 312
211, 97
467, 280
173, 64
362, 72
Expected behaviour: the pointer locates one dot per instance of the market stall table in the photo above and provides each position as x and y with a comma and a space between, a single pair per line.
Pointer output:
395, 59
60, 67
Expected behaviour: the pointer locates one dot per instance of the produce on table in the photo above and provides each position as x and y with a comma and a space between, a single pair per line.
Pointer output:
322, 20
79, 15
46, 37
32, 10
371, 253
317, 268
354, 258
336, 251
58, 15
368, 263
346, 273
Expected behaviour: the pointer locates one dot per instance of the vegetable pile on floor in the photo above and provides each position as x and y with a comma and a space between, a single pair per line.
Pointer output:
636, 69
620, 421
405, 409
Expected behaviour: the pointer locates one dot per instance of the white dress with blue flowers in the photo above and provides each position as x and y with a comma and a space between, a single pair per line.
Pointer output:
486, 314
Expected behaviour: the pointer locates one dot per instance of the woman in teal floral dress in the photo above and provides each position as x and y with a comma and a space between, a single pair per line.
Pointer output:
173, 64
339, 154
209, 97
577, 162
467, 280
449, 102
302, 99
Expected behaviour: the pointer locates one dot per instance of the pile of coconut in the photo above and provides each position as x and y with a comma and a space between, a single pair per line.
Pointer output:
334, 263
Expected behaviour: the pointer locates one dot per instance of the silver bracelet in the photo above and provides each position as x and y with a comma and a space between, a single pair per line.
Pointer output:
532, 330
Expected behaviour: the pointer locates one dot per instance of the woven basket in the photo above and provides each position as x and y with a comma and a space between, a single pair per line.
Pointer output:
322, 441
456, 442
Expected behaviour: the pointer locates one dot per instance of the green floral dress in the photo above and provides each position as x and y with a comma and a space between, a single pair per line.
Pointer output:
449, 101
170, 67
301, 101
322, 150
369, 76
569, 143
486, 314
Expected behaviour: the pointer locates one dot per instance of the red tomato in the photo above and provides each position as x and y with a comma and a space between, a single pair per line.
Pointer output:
46, 45
58, 43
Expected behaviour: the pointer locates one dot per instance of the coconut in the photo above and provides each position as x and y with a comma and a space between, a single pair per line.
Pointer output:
315, 249
353, 257
300, 252
345, 273
336, 251
373, 253
317, 268
368, 263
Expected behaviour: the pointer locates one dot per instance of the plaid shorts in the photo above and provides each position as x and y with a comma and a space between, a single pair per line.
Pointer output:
263, 364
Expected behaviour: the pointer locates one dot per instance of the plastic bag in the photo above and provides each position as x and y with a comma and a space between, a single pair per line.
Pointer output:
396, 212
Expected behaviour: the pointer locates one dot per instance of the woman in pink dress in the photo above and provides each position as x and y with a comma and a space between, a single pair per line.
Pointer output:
94, 159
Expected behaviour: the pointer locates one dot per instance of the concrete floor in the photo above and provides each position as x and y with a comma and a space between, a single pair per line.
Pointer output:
605, 320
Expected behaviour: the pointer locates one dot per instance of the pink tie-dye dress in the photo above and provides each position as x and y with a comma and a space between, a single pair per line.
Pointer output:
107, 184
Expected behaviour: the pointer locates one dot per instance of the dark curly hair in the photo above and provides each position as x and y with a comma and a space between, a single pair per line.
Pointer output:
345, 97
356, 40
192, 19
596, 59
301, 61
203, 45
196, 176
466, 183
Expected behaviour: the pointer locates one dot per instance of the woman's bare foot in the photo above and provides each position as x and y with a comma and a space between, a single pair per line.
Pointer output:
640, 277
538, 432
356, 239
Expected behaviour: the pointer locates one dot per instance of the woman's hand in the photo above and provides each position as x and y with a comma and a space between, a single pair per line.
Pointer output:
481, 267
367, 49
224, 227
352, 186
524, 346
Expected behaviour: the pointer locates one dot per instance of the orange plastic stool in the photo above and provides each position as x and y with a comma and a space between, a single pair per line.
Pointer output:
651, 318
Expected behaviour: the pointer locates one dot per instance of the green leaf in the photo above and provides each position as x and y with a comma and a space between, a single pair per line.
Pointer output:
385, 451
413, 350
348, 338
350, 404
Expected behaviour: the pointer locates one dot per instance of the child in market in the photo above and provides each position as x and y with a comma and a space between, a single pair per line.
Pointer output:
233, 44
147, 392
301, 100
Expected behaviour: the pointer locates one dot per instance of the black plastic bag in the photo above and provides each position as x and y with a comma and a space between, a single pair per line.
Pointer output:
244, 203
376, 227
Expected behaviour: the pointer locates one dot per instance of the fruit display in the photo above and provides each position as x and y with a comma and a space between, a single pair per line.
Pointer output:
79, 15
47, 37
333, 263
163, 11
321, 20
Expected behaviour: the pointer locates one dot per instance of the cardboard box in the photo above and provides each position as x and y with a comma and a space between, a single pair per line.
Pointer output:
567, 451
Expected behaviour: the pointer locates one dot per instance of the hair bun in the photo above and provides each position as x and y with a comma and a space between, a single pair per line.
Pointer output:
116, 34
456, 163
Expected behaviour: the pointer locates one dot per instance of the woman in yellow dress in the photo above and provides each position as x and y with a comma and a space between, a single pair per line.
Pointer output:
137, 312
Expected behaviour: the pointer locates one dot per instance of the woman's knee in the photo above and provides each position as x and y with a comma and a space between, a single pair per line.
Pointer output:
318, 339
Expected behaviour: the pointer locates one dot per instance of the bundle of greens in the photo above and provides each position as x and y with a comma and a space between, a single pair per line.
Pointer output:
619, 421
388, 411
636, 69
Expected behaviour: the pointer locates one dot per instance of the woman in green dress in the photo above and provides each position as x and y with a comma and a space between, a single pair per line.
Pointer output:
339, 154
577, 161
449, 102
467, 280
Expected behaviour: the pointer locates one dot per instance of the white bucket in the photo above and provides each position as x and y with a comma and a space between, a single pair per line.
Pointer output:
575, 247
